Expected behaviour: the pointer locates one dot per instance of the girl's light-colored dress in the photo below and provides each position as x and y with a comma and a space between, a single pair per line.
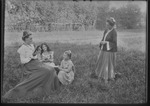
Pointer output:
66, 76
48, 56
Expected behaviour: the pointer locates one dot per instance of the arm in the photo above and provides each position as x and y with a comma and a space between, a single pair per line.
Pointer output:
61, 65
113, 43
34, 54
69, 68
51, 56
101, 43
23, 56
24, 59
34, 57
46, 58
43, 58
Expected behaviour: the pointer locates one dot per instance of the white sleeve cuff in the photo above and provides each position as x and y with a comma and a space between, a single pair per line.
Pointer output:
35, 57
25, 60
108, 47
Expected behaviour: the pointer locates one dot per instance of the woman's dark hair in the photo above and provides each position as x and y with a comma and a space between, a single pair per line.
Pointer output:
48, 49
111, 21
25, 35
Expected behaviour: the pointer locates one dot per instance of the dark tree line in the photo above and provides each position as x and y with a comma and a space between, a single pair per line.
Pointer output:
69, 15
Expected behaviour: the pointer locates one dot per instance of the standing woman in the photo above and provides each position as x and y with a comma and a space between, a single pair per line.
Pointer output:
41, 77
107, 55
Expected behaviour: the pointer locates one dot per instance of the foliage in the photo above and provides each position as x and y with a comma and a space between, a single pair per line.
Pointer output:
129, 16
90, 15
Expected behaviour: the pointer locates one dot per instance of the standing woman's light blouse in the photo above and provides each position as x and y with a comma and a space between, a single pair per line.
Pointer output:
26, 53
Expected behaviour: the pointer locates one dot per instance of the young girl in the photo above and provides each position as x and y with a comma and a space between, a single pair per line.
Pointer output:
47, 55
66, 73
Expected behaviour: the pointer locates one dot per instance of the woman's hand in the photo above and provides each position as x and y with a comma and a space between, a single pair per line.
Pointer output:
46, 60
59, 68
34, 54
103, 42
34, 57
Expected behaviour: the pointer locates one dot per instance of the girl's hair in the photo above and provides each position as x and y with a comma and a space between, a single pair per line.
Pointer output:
111, 21
68, 53
37, 48
48, 49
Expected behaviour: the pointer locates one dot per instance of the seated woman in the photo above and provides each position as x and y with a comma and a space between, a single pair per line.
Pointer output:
47, 55
66, 73
41, 77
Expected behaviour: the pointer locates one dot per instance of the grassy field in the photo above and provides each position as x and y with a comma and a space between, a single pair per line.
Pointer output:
134, 39
130, 88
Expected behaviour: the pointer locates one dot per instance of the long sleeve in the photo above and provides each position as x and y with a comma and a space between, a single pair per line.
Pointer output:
61, 64
100, 45
25, 54
52, 56
113, 43
24, 59
104, 34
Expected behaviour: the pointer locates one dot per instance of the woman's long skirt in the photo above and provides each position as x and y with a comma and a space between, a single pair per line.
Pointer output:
105, 65
42, 77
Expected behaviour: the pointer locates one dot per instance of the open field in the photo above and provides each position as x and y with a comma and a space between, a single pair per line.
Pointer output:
129, 39
130, 88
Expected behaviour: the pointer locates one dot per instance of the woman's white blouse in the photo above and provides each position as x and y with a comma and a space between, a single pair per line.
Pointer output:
26, 52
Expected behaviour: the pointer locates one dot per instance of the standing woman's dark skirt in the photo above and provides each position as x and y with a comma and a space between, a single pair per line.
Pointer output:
42, 77
105, 65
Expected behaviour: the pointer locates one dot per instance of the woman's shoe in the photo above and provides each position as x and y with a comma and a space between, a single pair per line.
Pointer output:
117, 76
94, 76
111, 79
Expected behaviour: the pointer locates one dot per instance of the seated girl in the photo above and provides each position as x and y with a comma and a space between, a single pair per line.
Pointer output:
47, 55
66, 73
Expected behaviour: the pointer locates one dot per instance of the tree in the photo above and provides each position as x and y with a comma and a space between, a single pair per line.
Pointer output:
129, 16
103, 10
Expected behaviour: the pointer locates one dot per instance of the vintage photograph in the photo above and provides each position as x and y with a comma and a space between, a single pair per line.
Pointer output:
77, 51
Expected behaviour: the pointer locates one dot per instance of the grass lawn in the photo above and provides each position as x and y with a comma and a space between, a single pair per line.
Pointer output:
130, 88
134, 39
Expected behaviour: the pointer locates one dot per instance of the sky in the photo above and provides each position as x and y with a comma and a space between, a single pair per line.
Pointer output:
141, 4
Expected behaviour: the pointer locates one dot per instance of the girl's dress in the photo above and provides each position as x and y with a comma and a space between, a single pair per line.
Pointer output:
67, 76
41, 77
48, 56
